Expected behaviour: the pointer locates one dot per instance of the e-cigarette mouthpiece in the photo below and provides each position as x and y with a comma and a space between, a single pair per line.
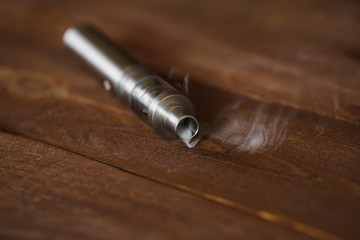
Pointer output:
168, 112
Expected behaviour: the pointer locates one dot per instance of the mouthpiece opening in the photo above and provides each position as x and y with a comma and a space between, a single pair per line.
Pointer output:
187, 127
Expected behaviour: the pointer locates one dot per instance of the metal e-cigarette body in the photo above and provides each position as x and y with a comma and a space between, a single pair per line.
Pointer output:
168, 112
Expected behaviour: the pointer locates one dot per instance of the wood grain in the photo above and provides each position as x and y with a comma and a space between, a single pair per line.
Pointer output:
47, 192
276, 88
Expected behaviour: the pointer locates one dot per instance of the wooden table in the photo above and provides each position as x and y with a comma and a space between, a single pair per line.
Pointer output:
276, 85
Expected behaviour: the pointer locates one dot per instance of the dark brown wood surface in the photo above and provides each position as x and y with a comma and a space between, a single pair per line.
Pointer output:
276, 86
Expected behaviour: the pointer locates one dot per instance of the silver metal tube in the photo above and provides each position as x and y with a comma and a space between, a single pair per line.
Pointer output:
168, 112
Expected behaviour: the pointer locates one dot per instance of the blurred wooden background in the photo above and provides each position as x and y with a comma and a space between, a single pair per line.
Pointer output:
276, 85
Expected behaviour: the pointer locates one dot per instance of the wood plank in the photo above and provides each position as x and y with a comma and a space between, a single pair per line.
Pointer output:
280, 96
272, 51
47, 193
305, 166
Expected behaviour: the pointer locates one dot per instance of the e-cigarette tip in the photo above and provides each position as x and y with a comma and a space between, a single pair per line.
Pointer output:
187, 127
